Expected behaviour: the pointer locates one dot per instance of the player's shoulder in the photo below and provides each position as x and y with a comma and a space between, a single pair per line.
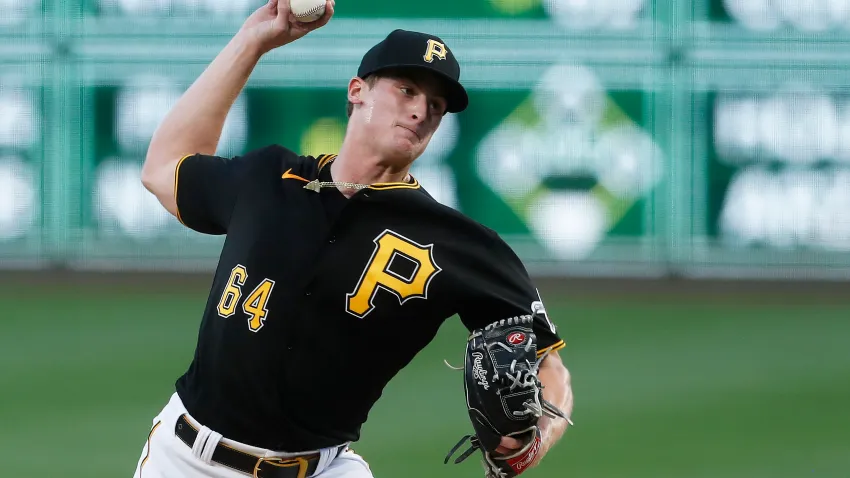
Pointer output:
276, 159
307, 164
460, 223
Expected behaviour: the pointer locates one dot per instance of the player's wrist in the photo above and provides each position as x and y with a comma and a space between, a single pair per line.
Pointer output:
544, 424
249, 46
529, 456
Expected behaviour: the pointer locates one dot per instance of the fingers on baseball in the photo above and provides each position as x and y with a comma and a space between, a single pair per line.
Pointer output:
324, 19
281, 13
310, 26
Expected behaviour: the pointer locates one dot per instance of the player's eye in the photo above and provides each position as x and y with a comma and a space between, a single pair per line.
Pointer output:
406, 90
438, 108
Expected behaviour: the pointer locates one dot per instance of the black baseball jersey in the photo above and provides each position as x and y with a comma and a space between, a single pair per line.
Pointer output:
319, 300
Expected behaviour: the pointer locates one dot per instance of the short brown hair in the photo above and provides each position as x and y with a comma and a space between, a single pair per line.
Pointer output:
370, 80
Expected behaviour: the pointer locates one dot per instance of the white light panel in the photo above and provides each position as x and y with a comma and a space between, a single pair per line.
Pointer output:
803, 15
19, 118
144, 102
19, 203
123, 205
594, 14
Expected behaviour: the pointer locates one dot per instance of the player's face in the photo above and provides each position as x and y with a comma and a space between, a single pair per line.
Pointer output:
403, 111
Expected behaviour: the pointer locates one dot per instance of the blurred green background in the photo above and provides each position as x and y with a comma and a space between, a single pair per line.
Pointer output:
613, 137
673, 174
672, 380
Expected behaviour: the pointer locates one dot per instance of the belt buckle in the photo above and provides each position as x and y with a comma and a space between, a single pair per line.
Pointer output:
298, 461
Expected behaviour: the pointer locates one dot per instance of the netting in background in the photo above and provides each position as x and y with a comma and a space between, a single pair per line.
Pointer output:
606, 138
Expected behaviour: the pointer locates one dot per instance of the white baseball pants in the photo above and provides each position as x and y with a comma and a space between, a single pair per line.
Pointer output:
164, 455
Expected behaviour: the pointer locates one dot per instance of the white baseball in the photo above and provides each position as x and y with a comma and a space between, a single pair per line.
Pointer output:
307, 10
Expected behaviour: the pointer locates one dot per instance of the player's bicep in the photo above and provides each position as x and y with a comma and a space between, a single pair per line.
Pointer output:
500, 288
503, 306
205, 191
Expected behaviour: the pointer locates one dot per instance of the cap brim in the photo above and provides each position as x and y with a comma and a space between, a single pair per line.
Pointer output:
456, 97
457, 100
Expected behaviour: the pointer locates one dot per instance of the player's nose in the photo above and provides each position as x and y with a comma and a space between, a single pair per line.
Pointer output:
419, 108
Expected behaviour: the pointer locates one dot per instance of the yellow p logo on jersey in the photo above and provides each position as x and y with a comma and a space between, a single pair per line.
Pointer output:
433, 49
377, 275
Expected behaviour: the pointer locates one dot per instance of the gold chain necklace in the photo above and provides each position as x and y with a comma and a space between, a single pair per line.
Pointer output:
316, 185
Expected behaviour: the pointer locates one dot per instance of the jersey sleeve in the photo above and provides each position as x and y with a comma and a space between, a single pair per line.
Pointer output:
500, 288
206, 189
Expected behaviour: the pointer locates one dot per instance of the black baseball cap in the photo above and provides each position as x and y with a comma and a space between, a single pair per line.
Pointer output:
407, 49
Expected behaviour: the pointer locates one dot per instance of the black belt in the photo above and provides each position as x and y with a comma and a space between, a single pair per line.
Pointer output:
256, 466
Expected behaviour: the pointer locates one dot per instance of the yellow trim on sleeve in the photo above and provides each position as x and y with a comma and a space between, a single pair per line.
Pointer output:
397, 185
325, 159
552, 348
176, 176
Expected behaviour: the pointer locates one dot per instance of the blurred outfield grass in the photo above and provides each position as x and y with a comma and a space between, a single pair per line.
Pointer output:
668, 385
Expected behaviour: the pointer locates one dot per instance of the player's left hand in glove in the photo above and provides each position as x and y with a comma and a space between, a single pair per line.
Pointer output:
504, 396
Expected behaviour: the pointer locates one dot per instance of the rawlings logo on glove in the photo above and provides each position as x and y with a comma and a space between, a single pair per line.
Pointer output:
521, 461
510, 402
478, 372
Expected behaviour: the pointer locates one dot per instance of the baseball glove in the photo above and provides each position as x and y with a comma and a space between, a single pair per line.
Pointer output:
504, 395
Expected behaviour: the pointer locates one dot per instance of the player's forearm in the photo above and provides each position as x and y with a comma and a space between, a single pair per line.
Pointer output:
557, 389
195, 122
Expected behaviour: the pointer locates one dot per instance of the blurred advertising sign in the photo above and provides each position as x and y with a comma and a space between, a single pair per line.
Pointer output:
781, 164
573, 161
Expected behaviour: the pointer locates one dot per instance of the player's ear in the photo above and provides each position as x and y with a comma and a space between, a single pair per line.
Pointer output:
355, 90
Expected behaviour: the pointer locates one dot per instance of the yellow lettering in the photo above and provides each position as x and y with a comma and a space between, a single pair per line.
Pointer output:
254, 305
378, 276
232, 291
433, 49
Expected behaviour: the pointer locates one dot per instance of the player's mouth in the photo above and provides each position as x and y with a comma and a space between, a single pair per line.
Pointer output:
411, 130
